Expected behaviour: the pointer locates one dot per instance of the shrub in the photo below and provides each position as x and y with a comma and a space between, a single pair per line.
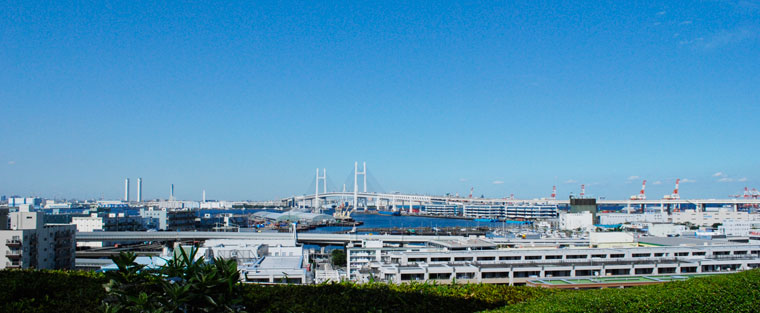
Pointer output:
380, 297
50, 291
134, 288
734, 293
338, 257
184, 284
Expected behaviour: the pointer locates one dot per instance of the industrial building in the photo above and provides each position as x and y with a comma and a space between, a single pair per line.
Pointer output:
169, 219
443, 209
263, 261
107, 222
708, 218
483, 211
622, 218
15, 202
519, 212
531, 212
574, 221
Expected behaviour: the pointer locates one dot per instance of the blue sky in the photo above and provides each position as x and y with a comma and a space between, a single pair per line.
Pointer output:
246, 100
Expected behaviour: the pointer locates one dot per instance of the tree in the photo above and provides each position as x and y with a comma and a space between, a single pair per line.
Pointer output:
338, 257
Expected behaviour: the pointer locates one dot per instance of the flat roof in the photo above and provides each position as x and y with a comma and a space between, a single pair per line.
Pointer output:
677, 241
464, 243
608, 281
280, 262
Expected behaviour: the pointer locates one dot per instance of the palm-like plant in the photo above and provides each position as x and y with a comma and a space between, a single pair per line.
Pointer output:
186, 283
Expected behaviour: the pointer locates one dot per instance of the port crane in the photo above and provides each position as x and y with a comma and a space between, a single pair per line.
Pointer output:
343, 213
641, 195
675, 195
554, 192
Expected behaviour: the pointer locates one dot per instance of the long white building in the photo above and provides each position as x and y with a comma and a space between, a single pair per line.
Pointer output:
483, 211
708, 218
517, 266
623, 218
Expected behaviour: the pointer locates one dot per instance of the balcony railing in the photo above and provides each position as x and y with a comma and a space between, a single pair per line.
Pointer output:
12, 265
12, 242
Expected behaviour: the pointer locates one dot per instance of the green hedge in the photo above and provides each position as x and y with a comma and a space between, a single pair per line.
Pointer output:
59, 291
734, 293
380, 297
50, 291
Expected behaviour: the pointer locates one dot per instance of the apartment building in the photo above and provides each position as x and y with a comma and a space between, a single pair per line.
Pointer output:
29, 243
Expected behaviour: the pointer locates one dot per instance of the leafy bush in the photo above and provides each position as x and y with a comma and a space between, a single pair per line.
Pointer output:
338, 257
61, 291
380, 297
734, 293
50, 291
184, 284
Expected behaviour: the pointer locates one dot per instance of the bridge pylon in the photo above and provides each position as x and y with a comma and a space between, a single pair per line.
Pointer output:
356, 181
317, 209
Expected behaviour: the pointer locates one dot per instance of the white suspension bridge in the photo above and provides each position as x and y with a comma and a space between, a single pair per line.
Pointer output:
366, 200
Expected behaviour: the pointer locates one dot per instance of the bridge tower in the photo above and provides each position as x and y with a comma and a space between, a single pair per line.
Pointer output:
318, 209
356, 181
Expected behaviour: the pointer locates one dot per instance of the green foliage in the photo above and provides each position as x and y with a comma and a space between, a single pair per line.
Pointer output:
380, 297
338, 257
192, 288
50, 291
734, 293
184, 284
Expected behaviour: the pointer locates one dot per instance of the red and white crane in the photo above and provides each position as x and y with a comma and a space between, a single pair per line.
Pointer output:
641, 195
554, 192
675, 195
583, 190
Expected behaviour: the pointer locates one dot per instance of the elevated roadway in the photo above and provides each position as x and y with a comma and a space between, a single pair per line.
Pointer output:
305, 238
405, 199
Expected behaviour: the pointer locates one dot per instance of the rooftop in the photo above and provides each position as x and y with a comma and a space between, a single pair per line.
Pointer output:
461, 244
677, 241
596, 282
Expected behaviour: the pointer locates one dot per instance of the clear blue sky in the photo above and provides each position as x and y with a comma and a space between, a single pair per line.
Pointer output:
247, 100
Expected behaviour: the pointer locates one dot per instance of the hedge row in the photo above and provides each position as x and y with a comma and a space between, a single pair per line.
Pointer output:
734, 293
50, 291
59, 291
380, 297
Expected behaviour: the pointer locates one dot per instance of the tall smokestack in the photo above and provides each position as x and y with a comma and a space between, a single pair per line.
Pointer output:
126, 190
139, 189
171, 193
204, 195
